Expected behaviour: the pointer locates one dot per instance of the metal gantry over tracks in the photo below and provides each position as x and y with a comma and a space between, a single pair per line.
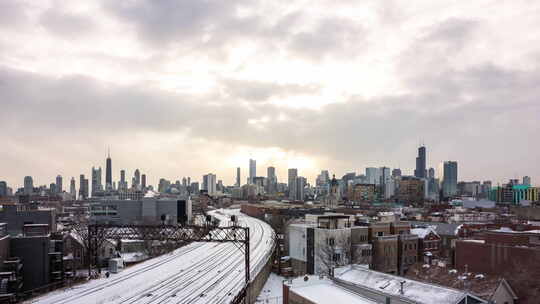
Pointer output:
237, 235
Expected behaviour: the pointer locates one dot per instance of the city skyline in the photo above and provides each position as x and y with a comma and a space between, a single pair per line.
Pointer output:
338, 86
283, 178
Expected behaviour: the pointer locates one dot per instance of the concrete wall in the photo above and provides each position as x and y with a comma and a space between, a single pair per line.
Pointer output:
297, 242
258, 282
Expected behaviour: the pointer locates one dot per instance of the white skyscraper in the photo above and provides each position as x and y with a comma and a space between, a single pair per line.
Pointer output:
252, 170
211, 184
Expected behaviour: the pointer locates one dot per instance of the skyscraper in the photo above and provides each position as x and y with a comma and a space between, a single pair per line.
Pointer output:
96, 181
387, 186
209, 183
252, 170
396, 172
3, 188
293, 174
136, 179
72, 189
59, 187
108, 173
373, 175
449, 176
83, 187
143, 181
431, 173
527, 180
271, 180
238, 180
122, 184
28, 185
420, 170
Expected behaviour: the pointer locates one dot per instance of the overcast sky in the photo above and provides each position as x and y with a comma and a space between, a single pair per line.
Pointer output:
184, 88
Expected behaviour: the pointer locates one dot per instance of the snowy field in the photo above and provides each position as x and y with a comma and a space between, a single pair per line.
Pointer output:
198, 273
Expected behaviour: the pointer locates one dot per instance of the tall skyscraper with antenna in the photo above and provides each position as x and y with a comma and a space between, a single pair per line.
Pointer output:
108, 172
420, 170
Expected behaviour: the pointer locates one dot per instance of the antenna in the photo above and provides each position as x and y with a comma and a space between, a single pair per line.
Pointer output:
108, 152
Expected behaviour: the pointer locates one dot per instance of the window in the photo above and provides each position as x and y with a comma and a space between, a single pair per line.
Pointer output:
330, 241
380, 233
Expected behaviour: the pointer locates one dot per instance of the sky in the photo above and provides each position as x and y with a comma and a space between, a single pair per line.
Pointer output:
185, 88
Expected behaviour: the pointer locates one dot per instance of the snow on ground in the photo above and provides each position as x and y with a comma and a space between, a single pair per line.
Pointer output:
272, 291
198, 273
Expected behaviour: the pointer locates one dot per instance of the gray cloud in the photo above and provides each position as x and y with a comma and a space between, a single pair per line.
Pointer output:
67, 24
357, 132
12, 13
257, 91
464, 104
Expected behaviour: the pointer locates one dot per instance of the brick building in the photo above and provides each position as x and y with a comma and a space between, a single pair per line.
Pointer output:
429, 243
362, 192
411, 189
499, 251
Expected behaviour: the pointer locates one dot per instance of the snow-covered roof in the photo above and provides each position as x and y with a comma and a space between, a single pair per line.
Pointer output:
325, 291
415, 291
508, 230
441, 228
423, 232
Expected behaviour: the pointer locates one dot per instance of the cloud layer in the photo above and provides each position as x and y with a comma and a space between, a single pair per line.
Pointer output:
183, 88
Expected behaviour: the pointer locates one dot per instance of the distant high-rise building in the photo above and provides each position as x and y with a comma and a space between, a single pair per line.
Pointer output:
52, 188
252, 170
59, 187
72, 189
83, 187
387, 187
323, 179
421, 163
238, 180
28, 185
449, 176
270, 172
96, 181
194, 187
143, 181
396, 172
209, 183
431, 173
3, 188
527, 180
108, 173
271, 180
122, 184
292, 175
300, 184
373, 175
136, 179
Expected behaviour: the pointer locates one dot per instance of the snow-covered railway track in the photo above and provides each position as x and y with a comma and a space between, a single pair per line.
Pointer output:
209, 273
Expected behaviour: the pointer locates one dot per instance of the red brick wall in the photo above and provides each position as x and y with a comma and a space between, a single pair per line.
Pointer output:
490, 258
254, 211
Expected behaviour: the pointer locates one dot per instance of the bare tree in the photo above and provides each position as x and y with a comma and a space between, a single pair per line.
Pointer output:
82, 234
334, 251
